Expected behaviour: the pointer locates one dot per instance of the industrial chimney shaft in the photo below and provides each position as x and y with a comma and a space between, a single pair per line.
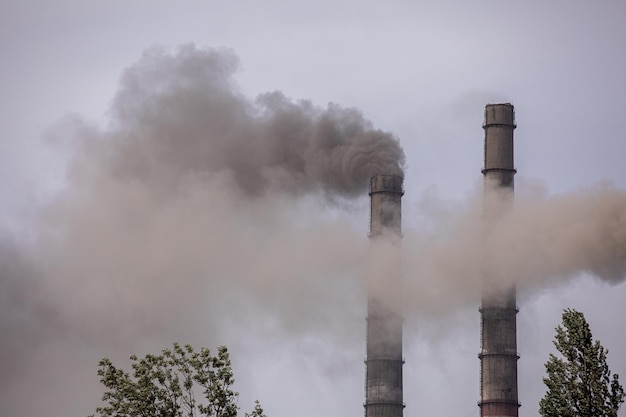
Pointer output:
498, 354
383, 380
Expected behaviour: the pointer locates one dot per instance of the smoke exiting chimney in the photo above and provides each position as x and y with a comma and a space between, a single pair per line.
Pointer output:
383, 381
498, 354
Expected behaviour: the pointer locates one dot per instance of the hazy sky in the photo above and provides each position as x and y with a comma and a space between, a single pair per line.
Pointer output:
422, 71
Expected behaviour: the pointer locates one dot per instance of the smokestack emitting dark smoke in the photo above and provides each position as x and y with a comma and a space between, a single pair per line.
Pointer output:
183, 218
184, 208
498, 353
383, 380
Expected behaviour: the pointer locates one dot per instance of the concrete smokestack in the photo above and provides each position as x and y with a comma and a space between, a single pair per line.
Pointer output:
383, 381
498, 354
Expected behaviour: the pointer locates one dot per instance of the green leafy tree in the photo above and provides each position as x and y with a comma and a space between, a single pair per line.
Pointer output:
579, 383
180, 382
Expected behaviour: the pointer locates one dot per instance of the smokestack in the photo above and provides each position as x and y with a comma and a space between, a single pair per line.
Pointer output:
498, 355
383, 381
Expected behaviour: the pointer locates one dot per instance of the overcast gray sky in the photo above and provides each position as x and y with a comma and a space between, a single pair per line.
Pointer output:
422, 71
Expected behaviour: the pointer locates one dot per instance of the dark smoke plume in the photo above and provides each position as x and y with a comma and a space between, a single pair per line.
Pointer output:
182, 115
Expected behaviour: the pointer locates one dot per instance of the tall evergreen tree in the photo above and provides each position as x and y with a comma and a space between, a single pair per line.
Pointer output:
579, 383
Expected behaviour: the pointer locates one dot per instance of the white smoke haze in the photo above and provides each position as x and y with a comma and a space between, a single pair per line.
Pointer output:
197, 211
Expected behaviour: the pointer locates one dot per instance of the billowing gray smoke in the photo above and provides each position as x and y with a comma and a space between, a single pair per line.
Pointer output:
180, 115
185, 217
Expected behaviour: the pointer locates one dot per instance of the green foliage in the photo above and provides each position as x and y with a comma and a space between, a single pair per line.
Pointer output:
167, 385
257, 412
579, 382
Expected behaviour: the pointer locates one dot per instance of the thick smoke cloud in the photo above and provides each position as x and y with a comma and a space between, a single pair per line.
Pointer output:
180, 115
193, 189
195, 215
